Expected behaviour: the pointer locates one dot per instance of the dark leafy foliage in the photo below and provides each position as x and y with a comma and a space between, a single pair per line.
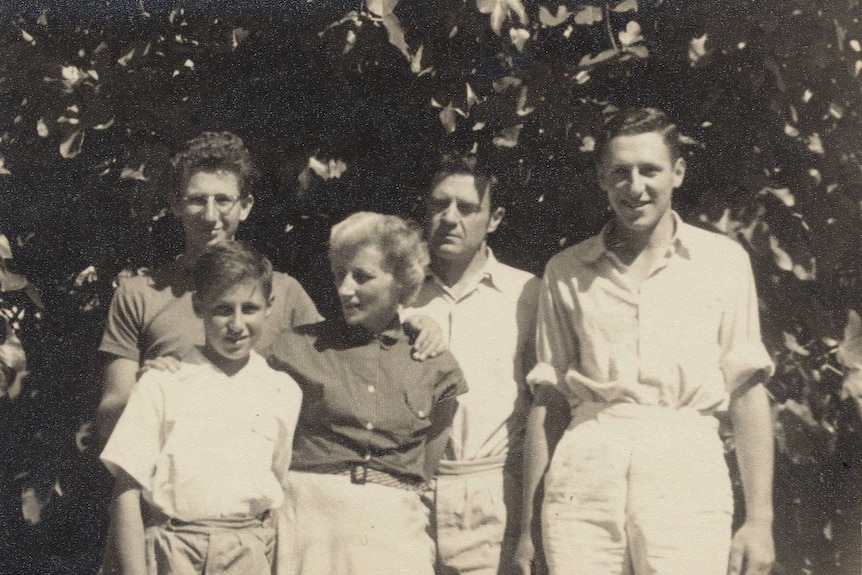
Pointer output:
346, 105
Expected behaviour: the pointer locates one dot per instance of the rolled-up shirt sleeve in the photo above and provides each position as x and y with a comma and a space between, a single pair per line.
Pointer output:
744, 359
556, 340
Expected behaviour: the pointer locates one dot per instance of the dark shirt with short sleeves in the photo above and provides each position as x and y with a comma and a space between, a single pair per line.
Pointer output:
365, 400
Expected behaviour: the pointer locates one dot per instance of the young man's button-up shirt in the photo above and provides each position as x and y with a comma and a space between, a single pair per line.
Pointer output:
688, 337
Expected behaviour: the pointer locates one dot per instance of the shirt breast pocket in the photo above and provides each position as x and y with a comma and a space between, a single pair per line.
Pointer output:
420, 401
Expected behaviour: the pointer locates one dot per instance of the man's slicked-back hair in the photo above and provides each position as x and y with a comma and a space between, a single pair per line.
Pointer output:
227, 264
213, 152
468, 165
634, 121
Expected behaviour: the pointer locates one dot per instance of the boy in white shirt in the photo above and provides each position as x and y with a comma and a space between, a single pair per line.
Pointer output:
200, 455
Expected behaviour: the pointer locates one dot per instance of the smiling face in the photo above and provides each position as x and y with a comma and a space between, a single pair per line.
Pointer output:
233, 320
459, 218
639, 175
211, 208
367, 290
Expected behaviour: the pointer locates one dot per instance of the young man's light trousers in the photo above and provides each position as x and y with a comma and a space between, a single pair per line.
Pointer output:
211, 547
638, 489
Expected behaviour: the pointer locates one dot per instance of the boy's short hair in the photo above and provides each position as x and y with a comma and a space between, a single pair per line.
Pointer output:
213, 152
634, 121
227, 264
405, 253
468, 165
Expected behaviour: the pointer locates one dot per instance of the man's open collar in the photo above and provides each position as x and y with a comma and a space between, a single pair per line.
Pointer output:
490, 270
679, 243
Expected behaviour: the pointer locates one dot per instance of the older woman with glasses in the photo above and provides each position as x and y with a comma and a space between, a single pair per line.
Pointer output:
373, 423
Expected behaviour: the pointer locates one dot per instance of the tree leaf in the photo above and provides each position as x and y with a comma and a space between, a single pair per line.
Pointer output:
631, 35
793, 345
781, 258
237, 35
508, 137
506, 82
589, 15
590, 60
130, 174
396, 34
447, 117
519, 37
626, 6
640, 51
381, 7
548, 19
71, 146
32, 505
849, 351
499, 11
783, 194
124, 60
697, 48
815, 144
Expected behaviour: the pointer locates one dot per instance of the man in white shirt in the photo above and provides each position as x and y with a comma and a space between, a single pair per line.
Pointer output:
487, 312
645, 332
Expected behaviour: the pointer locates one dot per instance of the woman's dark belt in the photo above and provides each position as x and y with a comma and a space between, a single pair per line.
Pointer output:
360, 474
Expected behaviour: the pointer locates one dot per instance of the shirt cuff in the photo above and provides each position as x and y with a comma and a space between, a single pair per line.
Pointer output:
746, 365
544, 374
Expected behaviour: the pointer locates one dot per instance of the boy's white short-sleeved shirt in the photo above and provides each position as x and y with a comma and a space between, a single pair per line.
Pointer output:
203, 444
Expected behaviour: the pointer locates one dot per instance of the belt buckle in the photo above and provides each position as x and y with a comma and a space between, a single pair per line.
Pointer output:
359, 474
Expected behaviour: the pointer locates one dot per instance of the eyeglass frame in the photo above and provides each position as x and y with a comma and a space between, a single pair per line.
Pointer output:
197, 208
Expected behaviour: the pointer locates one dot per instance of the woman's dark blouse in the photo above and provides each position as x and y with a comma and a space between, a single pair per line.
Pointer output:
365, 401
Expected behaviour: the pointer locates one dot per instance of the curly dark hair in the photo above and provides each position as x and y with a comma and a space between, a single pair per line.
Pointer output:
212, 151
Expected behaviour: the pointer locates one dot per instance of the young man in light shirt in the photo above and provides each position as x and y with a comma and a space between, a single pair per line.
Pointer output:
487, 312
645, 332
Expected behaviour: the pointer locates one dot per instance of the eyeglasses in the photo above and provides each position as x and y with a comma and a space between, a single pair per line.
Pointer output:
223, 203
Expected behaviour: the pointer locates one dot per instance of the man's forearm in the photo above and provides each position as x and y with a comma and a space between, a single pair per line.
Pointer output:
118, 381
126, 533
535, 462
752, 423
549, 416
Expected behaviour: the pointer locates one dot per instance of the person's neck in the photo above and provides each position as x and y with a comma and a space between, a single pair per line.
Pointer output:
189, 257
377, 328
457, 274
629, 244
230, 367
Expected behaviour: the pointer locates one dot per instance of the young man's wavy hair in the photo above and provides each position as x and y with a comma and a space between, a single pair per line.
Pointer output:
634, 121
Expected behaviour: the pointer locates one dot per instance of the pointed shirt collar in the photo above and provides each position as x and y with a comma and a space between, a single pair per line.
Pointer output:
678, 244
487, 275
